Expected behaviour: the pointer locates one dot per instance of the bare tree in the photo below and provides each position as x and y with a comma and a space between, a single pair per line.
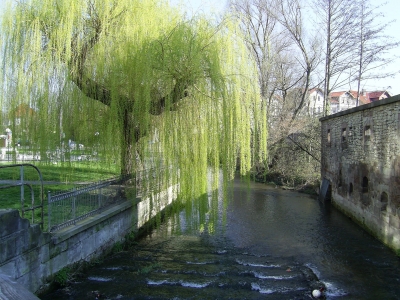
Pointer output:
290, 17
263, 40
286, 59
338, 24
372, 45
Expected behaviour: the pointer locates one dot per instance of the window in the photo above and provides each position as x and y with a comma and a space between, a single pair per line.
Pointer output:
351, 189
367, 133
344, 135
365, 185
329, 136
384, 201
340, 178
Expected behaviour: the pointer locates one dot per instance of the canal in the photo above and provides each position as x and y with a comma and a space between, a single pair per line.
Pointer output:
274, 244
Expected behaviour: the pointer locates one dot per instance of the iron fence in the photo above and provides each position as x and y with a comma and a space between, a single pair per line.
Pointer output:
33, 208
67, 208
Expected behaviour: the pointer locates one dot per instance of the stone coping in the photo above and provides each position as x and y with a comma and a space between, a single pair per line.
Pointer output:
386, 101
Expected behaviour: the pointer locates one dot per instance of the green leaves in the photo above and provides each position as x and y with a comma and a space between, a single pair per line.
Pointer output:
134, 81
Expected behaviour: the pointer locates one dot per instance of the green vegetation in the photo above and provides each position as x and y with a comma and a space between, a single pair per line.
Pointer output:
128, 243
64, 174
118, 247
63, 277
136, 84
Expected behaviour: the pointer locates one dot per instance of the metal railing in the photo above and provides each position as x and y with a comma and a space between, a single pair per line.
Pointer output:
67, 208
22, 183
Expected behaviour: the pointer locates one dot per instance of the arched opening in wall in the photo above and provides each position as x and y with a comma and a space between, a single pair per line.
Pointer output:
340, 178
367, 133
351, 189
328, 196
384, 201
328, 137
344, 135
364, 185
325, 191
364, 192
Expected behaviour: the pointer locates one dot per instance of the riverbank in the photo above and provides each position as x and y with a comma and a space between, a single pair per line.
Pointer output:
274, 180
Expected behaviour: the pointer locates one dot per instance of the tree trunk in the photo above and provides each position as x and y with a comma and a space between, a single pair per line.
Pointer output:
327, 62
127, 144
361, 49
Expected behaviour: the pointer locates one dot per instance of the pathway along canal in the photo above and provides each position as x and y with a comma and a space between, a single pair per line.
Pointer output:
276, 244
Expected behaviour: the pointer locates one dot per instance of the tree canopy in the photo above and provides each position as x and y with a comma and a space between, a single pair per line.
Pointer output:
136, 81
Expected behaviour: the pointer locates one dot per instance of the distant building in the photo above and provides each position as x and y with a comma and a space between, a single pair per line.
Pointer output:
22, 114
342, 100
376, 95
6, 138
316, 102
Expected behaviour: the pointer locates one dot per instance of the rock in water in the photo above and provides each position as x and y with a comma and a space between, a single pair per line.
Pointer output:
316, 293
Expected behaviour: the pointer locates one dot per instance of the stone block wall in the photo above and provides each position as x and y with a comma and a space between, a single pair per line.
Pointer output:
361, 160
29, 257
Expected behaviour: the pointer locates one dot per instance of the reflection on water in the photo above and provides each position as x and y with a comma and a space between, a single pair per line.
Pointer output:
274, 244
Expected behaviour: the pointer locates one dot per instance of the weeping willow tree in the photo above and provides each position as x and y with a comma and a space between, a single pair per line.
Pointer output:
136, 81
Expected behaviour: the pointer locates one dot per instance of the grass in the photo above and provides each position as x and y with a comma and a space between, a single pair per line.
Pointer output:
63, 173
56, 178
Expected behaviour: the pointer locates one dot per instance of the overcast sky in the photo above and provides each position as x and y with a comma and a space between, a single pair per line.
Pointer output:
390, 10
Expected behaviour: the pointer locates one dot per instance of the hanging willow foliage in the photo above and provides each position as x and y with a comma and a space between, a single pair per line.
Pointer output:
136, 82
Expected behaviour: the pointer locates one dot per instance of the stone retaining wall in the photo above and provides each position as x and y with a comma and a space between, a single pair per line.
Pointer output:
361, 160
29, 256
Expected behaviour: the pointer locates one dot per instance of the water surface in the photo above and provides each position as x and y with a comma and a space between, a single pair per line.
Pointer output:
275, 244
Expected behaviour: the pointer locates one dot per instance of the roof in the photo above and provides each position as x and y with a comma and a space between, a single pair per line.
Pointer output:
363, 99
336, 94
24, 110
377, 95
315, 90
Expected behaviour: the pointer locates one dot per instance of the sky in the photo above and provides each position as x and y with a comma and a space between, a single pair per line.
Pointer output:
389, 10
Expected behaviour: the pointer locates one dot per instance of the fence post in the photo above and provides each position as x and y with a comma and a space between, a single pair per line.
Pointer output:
21, 172
99, 198
49, 208
73, 205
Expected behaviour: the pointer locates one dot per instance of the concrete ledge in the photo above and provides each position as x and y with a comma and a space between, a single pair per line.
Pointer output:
11, 290
86, 223
32, 257
386, 101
